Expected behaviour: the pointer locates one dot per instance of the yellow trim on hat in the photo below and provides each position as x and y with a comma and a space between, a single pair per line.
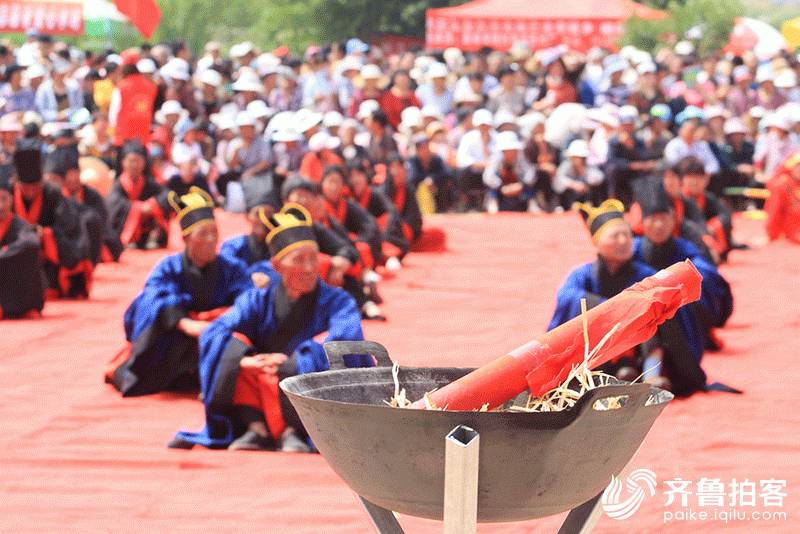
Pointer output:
605, 226
196, 198
284, 220
294, 246
610, 205
191, 228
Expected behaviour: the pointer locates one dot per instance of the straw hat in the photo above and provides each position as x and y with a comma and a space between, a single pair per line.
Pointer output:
248, 80
578, 148
482, 117
259, 109
286, 135
210, 77
371, 72
305, 119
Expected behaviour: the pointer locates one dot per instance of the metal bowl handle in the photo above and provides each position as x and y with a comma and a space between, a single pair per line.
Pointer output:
337, 350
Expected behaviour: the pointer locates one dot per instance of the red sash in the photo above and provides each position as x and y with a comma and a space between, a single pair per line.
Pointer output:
30, 215
4, 226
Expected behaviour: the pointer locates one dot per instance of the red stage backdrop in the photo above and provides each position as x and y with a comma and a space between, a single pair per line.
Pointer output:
58, 18
580, 24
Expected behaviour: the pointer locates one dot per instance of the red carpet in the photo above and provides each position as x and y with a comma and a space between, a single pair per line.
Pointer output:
77, 457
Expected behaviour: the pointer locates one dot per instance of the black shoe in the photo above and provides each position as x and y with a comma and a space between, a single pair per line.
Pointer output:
252, 441
179, 443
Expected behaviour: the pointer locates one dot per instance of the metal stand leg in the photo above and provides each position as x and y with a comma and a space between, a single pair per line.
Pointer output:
461, 481
382, 519
581, 520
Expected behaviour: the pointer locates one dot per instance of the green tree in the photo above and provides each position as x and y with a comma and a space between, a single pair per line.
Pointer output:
714, 17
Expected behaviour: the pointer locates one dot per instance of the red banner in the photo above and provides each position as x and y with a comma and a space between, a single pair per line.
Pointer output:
474, 33
58, 18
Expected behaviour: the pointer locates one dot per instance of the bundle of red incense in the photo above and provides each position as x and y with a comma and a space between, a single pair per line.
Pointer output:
545, 362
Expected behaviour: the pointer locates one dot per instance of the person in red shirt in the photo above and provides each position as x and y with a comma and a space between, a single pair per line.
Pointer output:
398, 97
131, 111
320, 155
783, 204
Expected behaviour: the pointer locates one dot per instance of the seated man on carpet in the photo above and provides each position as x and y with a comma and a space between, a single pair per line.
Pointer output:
21, 291
340, 261
268, 335
137, 206
395, 234
62, 168
183, 294
64, 241
672, 358
659, 249
716, 214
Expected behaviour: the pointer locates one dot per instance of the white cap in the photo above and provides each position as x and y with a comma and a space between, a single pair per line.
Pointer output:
176, 69
248, 80
742, 72
465, 94
281, 121
734, 125
35, 71
241, 49
628, 114
787, 79
431, 111
684, 48
529, 121
267, 64
507, 141
171, 107
504, 117
181, 153
482, 117
411, 116
146, 66
224, 122
61, 66
211, 77
776, 120
305, 119
350, 63
578, 148
371, 72
259, 109
715, 111
323, 140
757, 112
286, 135
437, 70
765, 74
646, 67
243, 118
332, 119
602, 116
366, 108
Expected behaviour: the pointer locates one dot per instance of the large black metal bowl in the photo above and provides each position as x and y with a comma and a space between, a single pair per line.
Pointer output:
531, 464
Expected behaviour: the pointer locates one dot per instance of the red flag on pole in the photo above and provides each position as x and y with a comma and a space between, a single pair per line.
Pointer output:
143, 14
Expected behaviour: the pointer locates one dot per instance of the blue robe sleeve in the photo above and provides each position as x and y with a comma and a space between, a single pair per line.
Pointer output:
568, 299
716, 298
162, 292
236, 248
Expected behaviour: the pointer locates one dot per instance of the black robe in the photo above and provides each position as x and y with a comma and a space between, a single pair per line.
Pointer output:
408, 208
119, 208
68, 268
389, 221
21, 288
94, 216
358, 221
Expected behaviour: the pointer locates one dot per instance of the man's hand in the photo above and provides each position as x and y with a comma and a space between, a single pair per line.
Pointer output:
267, 363
578, 187
147, 209
511, 190
260, 280
191, 327
339, 266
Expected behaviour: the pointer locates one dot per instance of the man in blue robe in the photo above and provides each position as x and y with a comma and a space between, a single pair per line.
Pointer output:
659, 249
678, 344
268, 335
182, 295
